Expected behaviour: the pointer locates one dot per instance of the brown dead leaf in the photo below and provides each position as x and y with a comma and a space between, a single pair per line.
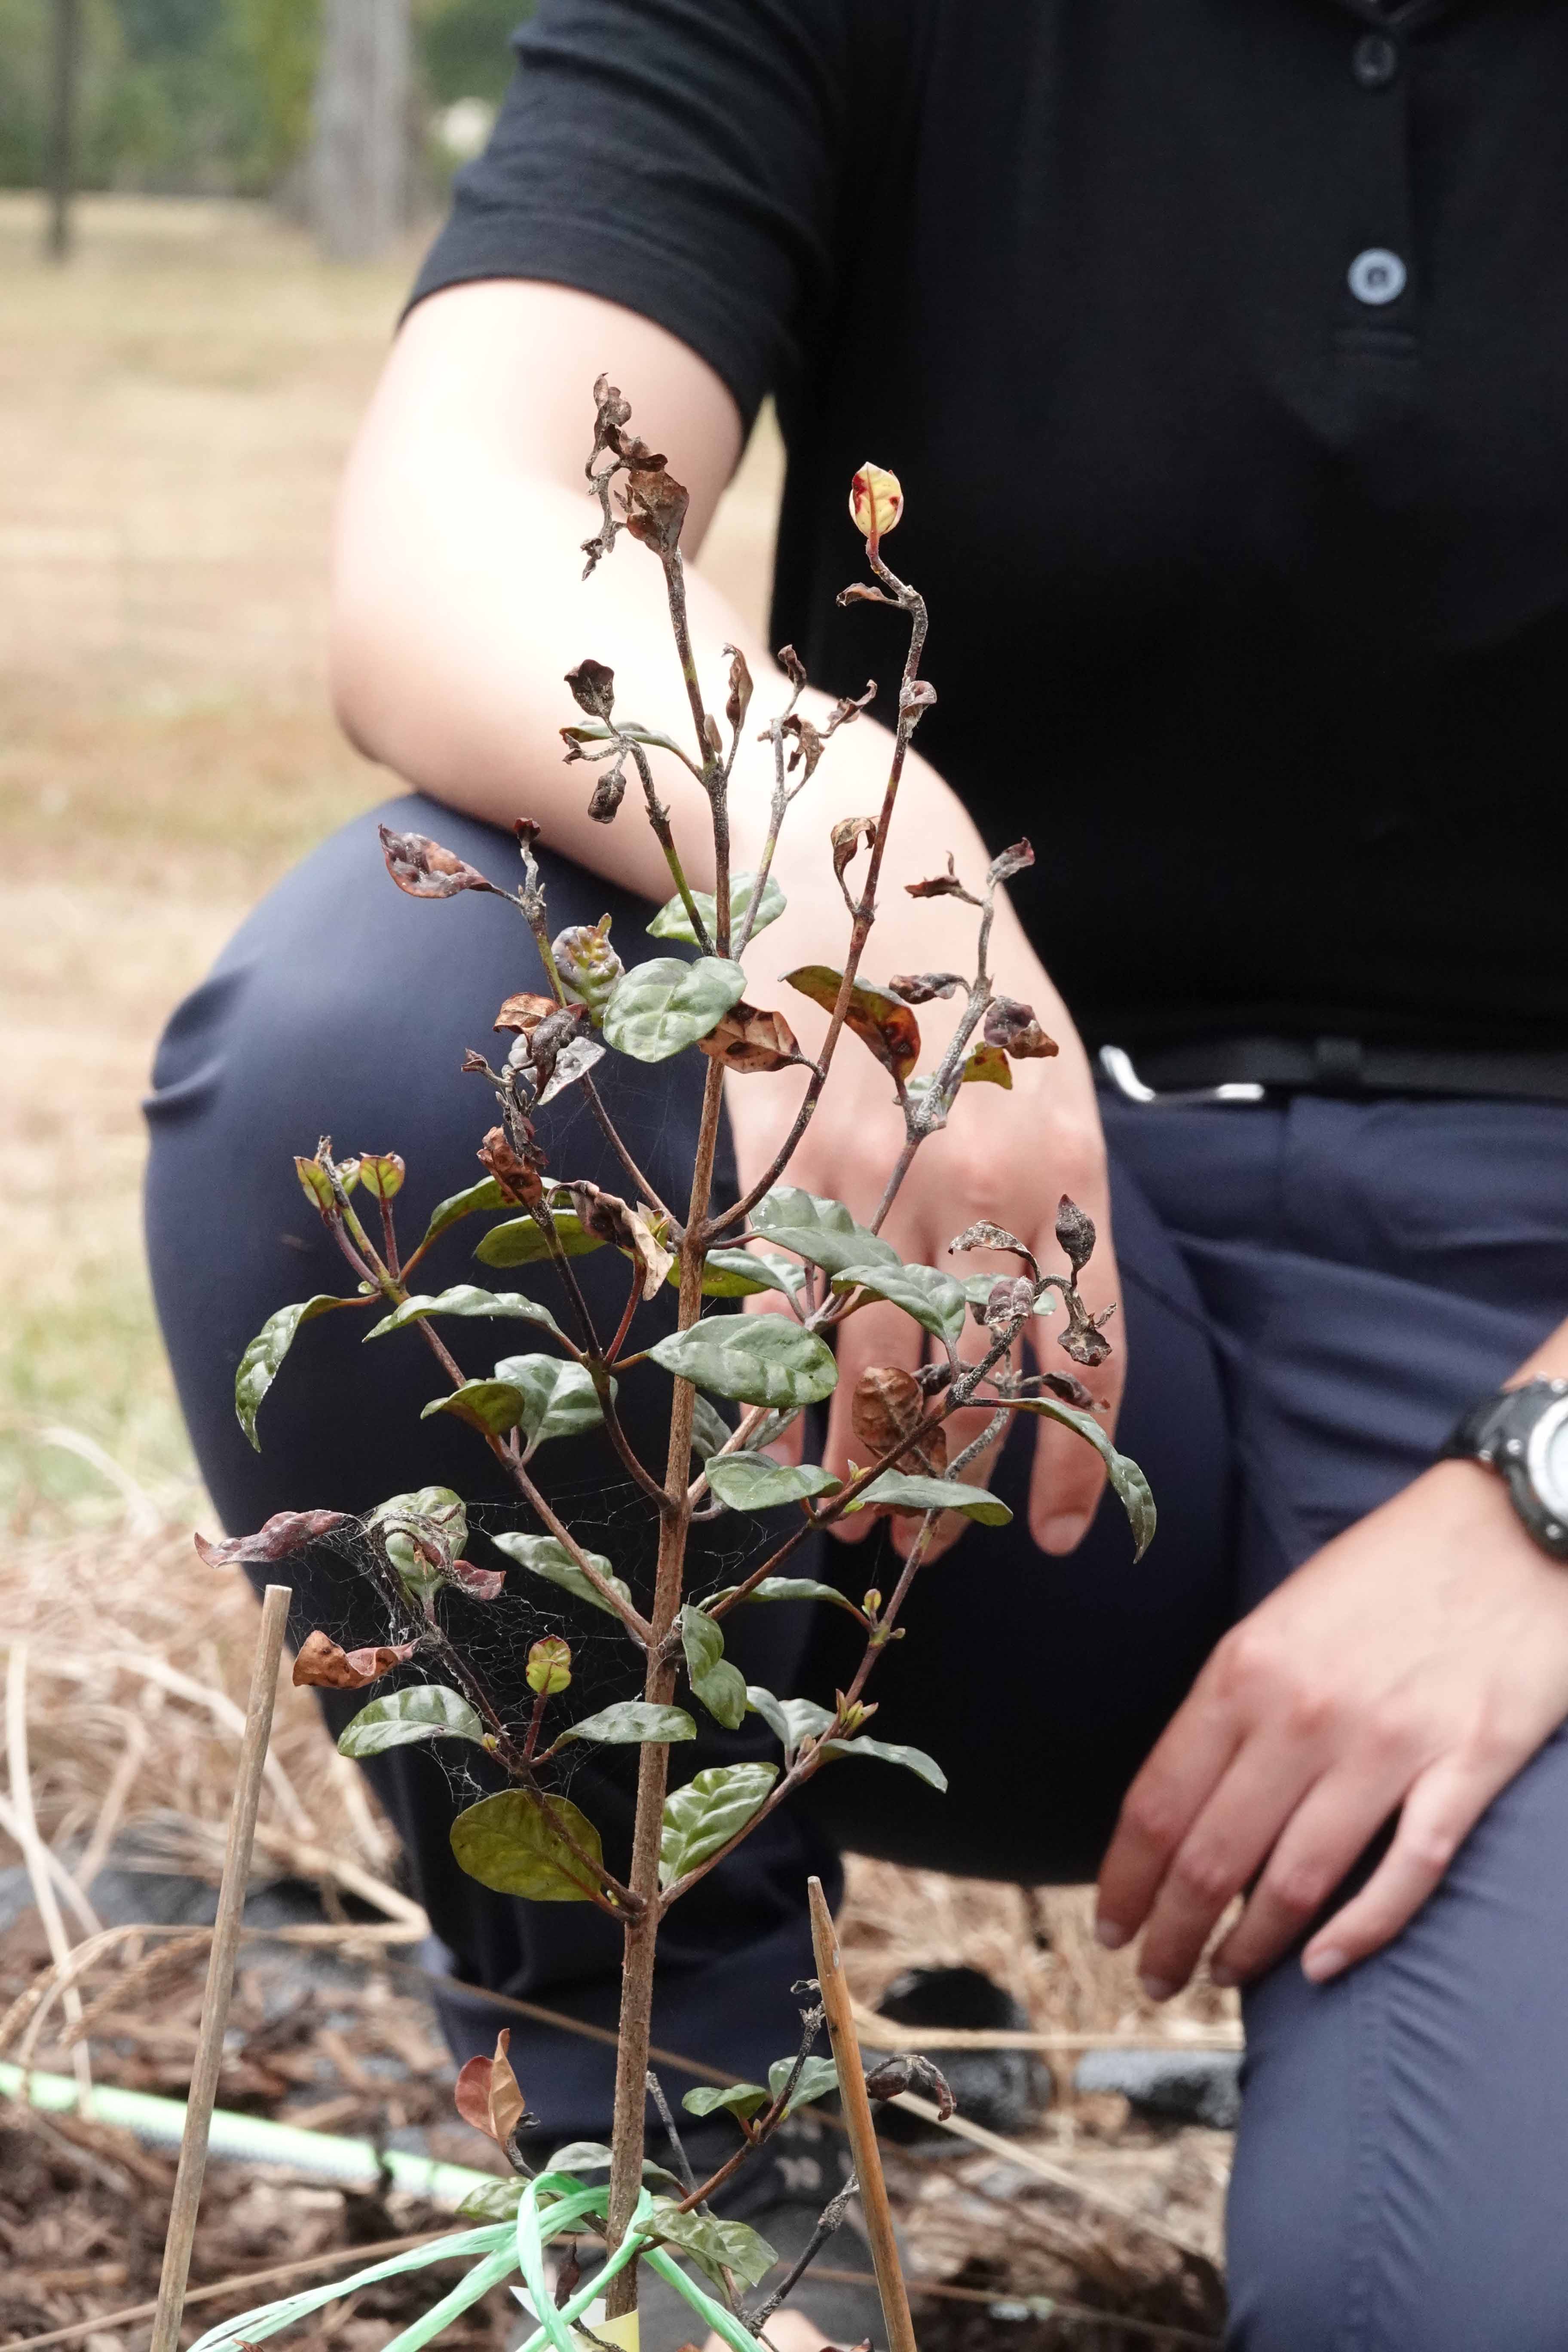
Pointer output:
322, 1665
524, 1012
747, 1040
880, 1020
516, 1179
425, 870
887, 1405
284, 1532
486, 2093
1015, 1029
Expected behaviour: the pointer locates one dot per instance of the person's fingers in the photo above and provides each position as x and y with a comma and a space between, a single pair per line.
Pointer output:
1441, 1810
1262, 1787
1333, 1823
1160, 1807
872, 1335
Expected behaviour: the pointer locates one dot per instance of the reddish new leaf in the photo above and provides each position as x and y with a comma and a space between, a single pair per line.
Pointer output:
479, 1583
880, 1020
284, 1532
322, 1665
486, 2094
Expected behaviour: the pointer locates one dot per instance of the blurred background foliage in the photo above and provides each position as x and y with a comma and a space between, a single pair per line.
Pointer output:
213, 97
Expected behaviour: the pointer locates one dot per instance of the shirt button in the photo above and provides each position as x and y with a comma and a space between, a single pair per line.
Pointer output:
1374, 60
1377, 276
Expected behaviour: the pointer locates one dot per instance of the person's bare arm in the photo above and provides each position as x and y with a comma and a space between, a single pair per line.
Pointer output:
457, 609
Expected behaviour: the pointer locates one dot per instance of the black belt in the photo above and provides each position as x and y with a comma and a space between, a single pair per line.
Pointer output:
1244, 1069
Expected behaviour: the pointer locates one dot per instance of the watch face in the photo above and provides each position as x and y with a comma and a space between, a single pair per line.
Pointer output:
1546, 1458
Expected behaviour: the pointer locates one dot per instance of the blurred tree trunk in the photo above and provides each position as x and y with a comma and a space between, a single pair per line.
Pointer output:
360, 146
65, 77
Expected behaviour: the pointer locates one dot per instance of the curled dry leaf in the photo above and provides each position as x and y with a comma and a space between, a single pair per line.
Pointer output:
848, 708
656, 506
748, 1040
808, 743
1014, 1028
1011, 1300
425, 870
740, 698
921, 987
1009, 862
942, 885
848, 835
1070, 1391
986, 1235
607, 795
486, 2094
614, 1220
593, 684
322, 1665
881, 1021
794, 668
915, 695
284, 1532
479, 1583
1075, 1230
524, 1012
887, 1405
516, 1178
906, 2071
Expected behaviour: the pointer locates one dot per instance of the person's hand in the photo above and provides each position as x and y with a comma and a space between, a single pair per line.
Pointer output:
1006, 1156
1413, 1667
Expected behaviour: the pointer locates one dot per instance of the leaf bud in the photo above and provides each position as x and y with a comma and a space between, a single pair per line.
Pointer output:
588, 964
875, 500
314, 1183
871, 1602
549, 1667
382, 1174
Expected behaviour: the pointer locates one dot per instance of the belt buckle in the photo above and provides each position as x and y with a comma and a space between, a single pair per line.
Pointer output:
1117, 1065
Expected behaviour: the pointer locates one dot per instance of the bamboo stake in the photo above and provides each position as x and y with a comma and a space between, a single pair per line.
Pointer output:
859, 2125
220, 1972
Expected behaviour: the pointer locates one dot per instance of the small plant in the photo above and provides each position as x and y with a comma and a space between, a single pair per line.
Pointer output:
527, 1838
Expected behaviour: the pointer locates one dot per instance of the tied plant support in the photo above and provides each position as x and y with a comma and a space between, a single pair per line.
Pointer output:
813, 1261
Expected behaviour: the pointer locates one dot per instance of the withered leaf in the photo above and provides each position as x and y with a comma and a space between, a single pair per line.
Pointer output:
880, 1020
887, 1403
614, 1220
986, 1235
916, 693
524, 1012
790, 662
907, 2071
848, 835
425, 870
284, 1532
1071, 1392
1011, 1300
848, 708
735, 709
479, 1583
593, 684
1075, 1230
920, 987
655, 506
748, 1040
1009, 862
607, 795
941, 885
1016, 1030
487, 2095
516, 1178
322, 1665
808, 743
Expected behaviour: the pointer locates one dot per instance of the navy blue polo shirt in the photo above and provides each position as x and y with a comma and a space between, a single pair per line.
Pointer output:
1222, 347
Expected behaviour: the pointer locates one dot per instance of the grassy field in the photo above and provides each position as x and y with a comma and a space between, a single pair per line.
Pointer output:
174, 407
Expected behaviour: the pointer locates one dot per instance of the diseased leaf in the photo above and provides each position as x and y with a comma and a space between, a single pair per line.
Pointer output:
631, 1230
1127, 1479
986, 1065
791, 1587
752, 1482
431, 1712
632, 1722
464, 1298
821, 1231
523, 1011
322, 1665
708, 1813
847, 836
818, 2079
881, 1021
544, 1556
479, 1583
1009, 862
720, 1687
260, 1364
747, 1041
934, 1300
425, 870
1075, 1230
660, 1007
791, 1720
922, 987
516, 1174
713, 2245
888, 1751
889, 1405
284, 1532
756, 1359
986, 1235
899, 1490
673, 923
1014, 1028
492, 1407
513, 1844
521, 1242
559, 1399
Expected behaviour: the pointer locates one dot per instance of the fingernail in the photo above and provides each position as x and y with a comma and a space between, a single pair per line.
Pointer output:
1318, 1966
1108, 1933
1222, 1975
1156, 1988
1064, 1533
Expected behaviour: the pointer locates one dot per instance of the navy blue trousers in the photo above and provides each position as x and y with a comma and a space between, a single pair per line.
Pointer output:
1312, 1293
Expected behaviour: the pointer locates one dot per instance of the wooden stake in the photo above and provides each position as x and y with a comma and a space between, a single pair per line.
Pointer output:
857, 2124
220, 1972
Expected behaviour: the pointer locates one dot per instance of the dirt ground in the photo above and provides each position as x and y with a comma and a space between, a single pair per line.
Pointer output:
174, 407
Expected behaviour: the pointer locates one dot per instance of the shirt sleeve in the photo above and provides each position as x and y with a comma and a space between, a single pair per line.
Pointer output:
679, 157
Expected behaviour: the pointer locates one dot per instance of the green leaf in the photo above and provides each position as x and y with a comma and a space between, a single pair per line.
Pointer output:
740, 1273
791, 1587
710, 1430
935, 1300
632, 1722
758, 1359
486, 1194
720, 1687
592, 2155
818, 2080
431, 1712
258, 1365
544, 1556
708, 1813
737, 2099
465, 1298
823, 1230
559, 1399
752, 1482
512, 1845
520, 1241
713, 2245
1126, 1477
492, 1407
492, 2200
791, 1720
673, 923
888, 1751
660, 1007
906, 1491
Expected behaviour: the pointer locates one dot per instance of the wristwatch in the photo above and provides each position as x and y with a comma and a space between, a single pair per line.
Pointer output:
1522, 1434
